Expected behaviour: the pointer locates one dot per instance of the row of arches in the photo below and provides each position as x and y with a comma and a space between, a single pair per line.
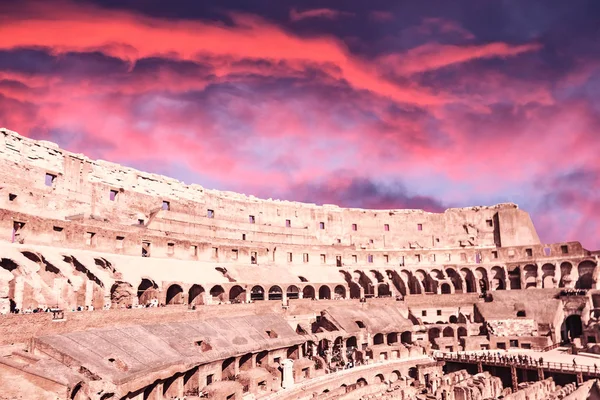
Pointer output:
148, 290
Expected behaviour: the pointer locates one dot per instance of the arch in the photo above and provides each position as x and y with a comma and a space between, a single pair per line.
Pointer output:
514, 277
351, 342
462, 331
433, 333
469, 279
383, 290
361, 382
339, 292
228, 368
565, 275
392, 337
481, 276
395, 376
324, 292
354, 290
377, 275
530, 276
548, 272
218, 293
414, 285
498, 278
571, 328
446, 289
397, 282
453, 319
196, 295
174, 294
455, 279
261, 358
292, 292
413, 372
379, 378
121, 293
275, 293
585, 275
245, 362
424, 281
147, 291
365, 282
378, 338
406, 337
237, 294
308, 292
257, 293
448, 332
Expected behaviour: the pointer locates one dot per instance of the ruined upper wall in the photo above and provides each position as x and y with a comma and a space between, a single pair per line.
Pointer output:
82, 190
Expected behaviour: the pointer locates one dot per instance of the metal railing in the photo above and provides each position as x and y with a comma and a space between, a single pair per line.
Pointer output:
515, 361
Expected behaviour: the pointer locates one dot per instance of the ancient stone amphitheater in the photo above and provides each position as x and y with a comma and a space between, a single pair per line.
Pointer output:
121, 284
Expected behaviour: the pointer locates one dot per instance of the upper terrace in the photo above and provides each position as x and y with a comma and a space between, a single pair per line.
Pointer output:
58, 196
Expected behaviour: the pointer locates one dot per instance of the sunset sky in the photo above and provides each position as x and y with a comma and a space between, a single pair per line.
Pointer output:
373, 104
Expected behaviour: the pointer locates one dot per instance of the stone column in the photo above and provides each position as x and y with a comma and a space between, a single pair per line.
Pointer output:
287, 379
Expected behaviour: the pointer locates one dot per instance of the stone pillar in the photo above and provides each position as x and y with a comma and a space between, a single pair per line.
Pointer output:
540, 372
539, 280
287, 379
513, 376
176, 388
479, 367
89, 292
248, 294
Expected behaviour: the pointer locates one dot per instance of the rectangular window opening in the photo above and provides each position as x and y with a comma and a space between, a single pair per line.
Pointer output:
354, 259
113, 195
243, 236
210, 213
338, 261
321, 225
251, 219
489, 222
418, 257
12, 197
424, 313
215, 252
170, 248
234, 254
305, 257
289, 257
419, 227
386, 227
564, 249
166, 205
194, 250
494, 254
90, 238
140, 222
354, 227
146, 248
253, 257
386, 258
529, 252
120, 240
49, 179
288, 223
323, 258
370, 258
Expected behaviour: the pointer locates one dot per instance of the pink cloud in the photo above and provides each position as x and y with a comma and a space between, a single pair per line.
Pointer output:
325, 13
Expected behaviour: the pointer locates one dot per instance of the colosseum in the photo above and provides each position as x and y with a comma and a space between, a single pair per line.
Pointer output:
121, 284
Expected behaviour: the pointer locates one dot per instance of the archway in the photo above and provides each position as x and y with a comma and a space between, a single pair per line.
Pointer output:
339, 292
498, 279
548, 272
354, 290
147, 291
383, 290
585, 278
446, 288
456, 279
448, 332
237, 294
379, 378
565, 275
121, 294
275, 293
245, 362
361, 382
571, 328
514, 277
433, 333
469, 280
257, 293
397, 281
292, 292
228, 368
406, 337
351, 342
392, 337
378, 338
530, 278
308, 292
174, 294
461, 332
217, 293
196, 295
324, 292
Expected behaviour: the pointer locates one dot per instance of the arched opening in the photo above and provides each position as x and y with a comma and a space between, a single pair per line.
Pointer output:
530, 277
406, 337
361, 382
121, 294
514, 277
572, 328
351, 342
461, 331
261, 358
293, 352
217, 293
456, 280
395, 376
397, 282
392, 337
324, 292
481, 277
365, 282
548, 272
383, 290
585, 278
196, 295
413, 373
174, 294
147, 291
379, 378
378, 338
433, 333
339, 292
257, 293
446, 288
228, 368
469, 280
448, 332
75, 392
246, 362
565, 275
275, 293
453, 319
237, 294
498, 279
292, 292
354, 290
308, 292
